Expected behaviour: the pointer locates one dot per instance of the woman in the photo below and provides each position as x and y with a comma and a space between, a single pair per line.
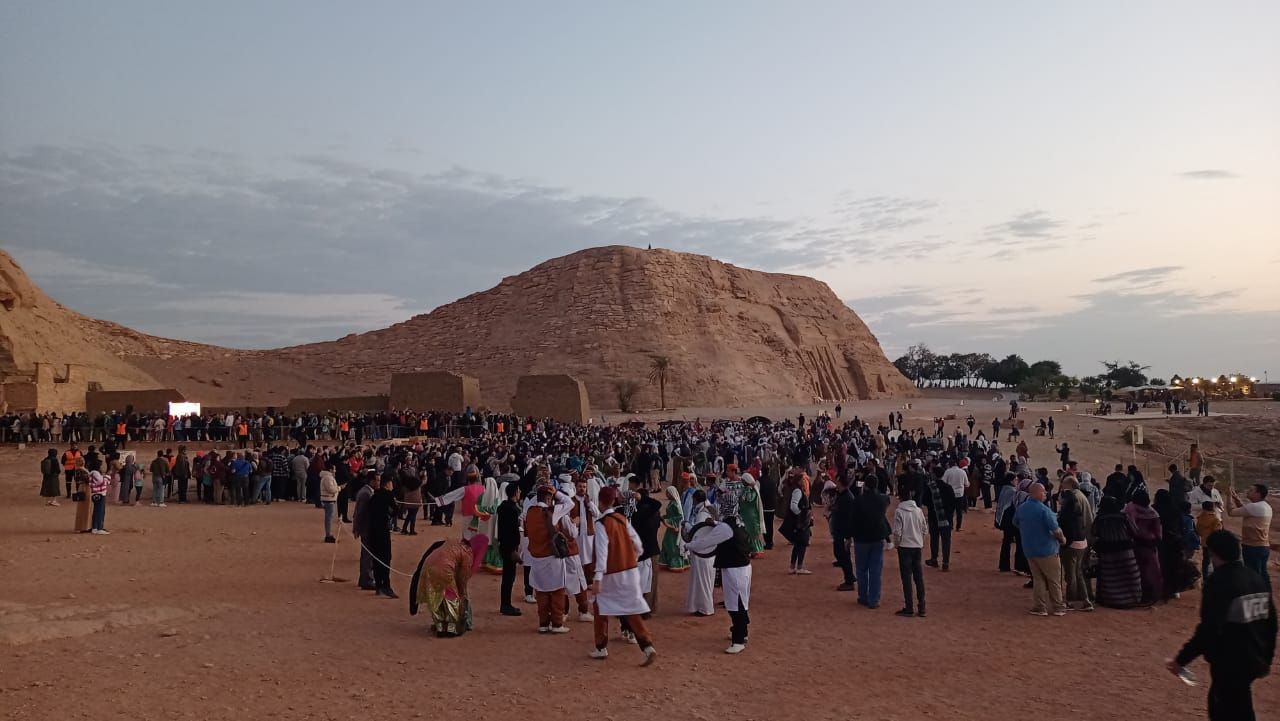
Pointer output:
1146, 544
411, 499
1119, 581
84, 505
328, 499
1171, 543
672, 555
797, 526
98, 485
751, 513
50, 474
489, 502
699, 600
1005, 491
448, 568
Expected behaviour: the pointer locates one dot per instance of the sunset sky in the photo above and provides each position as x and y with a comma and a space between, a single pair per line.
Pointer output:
1077, 181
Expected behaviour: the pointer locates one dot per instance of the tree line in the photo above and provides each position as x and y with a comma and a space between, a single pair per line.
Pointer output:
982, 370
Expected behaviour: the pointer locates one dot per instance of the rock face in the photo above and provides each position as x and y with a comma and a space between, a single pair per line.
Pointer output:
734, 337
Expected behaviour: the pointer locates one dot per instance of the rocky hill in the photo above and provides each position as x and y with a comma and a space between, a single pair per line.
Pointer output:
734, 337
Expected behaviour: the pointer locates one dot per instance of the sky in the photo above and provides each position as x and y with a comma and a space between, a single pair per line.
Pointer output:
1073, 181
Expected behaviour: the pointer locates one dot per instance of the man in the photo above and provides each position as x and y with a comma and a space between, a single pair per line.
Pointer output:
1075, 517
726, 541
366, 581
616, 579
1051, 426
69, 459
699, 600
584, 516
547, 568
1041, 538
1116, 484
842, 532
1236, 633
159, 473
1178, 486
379, 514
1205, 492
768, 504
1255, 531
870, 532
182, 473
1064, 454
241, 467
908, 535
938, 505
509, 546
1195, 462
647, 519
958, 479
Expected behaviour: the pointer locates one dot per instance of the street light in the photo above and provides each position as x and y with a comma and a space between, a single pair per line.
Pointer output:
1233, 379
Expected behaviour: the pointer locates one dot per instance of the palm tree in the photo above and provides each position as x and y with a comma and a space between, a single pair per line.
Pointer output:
658, 367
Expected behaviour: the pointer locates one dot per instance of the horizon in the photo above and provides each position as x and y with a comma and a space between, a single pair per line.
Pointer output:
937, 175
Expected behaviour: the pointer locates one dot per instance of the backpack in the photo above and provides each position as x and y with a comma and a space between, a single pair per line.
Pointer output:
559, 544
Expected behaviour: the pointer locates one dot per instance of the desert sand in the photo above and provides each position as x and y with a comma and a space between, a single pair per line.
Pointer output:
218, 613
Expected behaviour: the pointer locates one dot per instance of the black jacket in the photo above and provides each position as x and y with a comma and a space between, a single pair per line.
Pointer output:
842, 516
870, 525
508, 527
647, 520
1237, 630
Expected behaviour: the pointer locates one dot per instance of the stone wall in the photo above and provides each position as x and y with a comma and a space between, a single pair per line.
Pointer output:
561, 397
47, 388
155, 400
434, 391
349, 403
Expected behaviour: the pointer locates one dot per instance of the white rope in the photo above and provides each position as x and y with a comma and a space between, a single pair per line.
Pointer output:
379, 561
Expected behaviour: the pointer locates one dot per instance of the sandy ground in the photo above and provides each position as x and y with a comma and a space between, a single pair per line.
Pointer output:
217, 612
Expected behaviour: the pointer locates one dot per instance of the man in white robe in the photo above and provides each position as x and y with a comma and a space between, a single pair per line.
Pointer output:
700, 600
548, 574
726, 541
617, 583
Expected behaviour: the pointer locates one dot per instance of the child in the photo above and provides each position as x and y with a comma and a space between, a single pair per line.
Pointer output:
1207, 523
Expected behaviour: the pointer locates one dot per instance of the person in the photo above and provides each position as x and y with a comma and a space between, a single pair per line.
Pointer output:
699, 600
82, 498
380, 514
448, 567
1041, 538
672, 556
646, 519
938, 505
958, 479
69, 458
1116, 484
1052, 425
1236, 634
329, 500
1075, 518
547, 570
1195, 462
1206, 492
50, 473
1255, 532
159, 470
751, 510
1171, 546
182, 473
908, 532
1146, 544
768, 503
1064, 454
797, 526
870, 533
841, 527
727, 542
616, 579
1119, 580
365, 581
98, 485
508, 543
1206, 524
1179, 486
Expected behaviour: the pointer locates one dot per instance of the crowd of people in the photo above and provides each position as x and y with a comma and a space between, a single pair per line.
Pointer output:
594, 515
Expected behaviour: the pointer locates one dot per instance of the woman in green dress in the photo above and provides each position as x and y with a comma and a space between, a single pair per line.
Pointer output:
488, 506
751, 513
672, 555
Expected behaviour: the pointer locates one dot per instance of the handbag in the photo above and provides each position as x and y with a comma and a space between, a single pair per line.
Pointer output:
559, 544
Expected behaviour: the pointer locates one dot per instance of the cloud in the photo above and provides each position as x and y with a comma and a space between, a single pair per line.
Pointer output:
1158, 273
1031, 225
884, 214
1208, 174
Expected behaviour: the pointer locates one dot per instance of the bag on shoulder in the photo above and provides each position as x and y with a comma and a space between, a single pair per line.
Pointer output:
559, 544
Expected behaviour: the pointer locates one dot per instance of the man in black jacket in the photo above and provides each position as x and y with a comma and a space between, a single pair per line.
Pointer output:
842, 532
870, 531
509, 545
1236, 634
1116, 484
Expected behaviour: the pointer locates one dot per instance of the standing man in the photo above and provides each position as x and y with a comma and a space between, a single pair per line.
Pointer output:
1255, 532
159, 472
509, 546
1051, 425
69, 458
182, 473
1179, 486
547, 571
870, 532
958, 479
1195, 462
616, 579
842, 532
726, 541
380, 512
908, 535
1040, 540
358, 531
1206, 492
298, 467
584, 516
1236, 634
768, 504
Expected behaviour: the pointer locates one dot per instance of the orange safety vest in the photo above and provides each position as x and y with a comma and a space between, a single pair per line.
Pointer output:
242, 429
344, 426
501, 427
121, 429
422, 424
69, 460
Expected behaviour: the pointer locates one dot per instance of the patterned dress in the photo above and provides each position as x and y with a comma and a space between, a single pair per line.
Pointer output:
444, 593
672, 555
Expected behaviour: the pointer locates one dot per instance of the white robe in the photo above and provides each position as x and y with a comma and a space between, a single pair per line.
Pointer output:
551, 574
621, 593
646, 575
702, 576
735, 582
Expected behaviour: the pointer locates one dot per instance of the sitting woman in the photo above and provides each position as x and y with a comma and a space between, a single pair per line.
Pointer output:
448, 567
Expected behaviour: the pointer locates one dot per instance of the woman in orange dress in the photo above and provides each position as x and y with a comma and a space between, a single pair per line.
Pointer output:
448, 567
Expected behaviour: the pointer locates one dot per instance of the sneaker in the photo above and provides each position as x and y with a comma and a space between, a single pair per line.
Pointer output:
906, 613
54, 502
164, 505
586, 618
1038, 612
735, 648
599, 654
529, 598
629, 637
330, 539
559, 629
847, 587
803, 572
650, 655
95, 532
1059, 613
511, 611
931, 563
920, 613
104, 532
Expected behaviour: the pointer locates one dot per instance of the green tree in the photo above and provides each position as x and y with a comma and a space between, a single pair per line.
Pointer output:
659, 365
625, 392
1122, 375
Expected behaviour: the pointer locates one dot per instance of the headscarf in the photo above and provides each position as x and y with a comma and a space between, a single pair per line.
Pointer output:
673, 499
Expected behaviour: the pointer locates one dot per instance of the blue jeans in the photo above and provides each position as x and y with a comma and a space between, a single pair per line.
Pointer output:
157, 491
869, 558
262, 489
99, 512
328, 518
1255, 557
